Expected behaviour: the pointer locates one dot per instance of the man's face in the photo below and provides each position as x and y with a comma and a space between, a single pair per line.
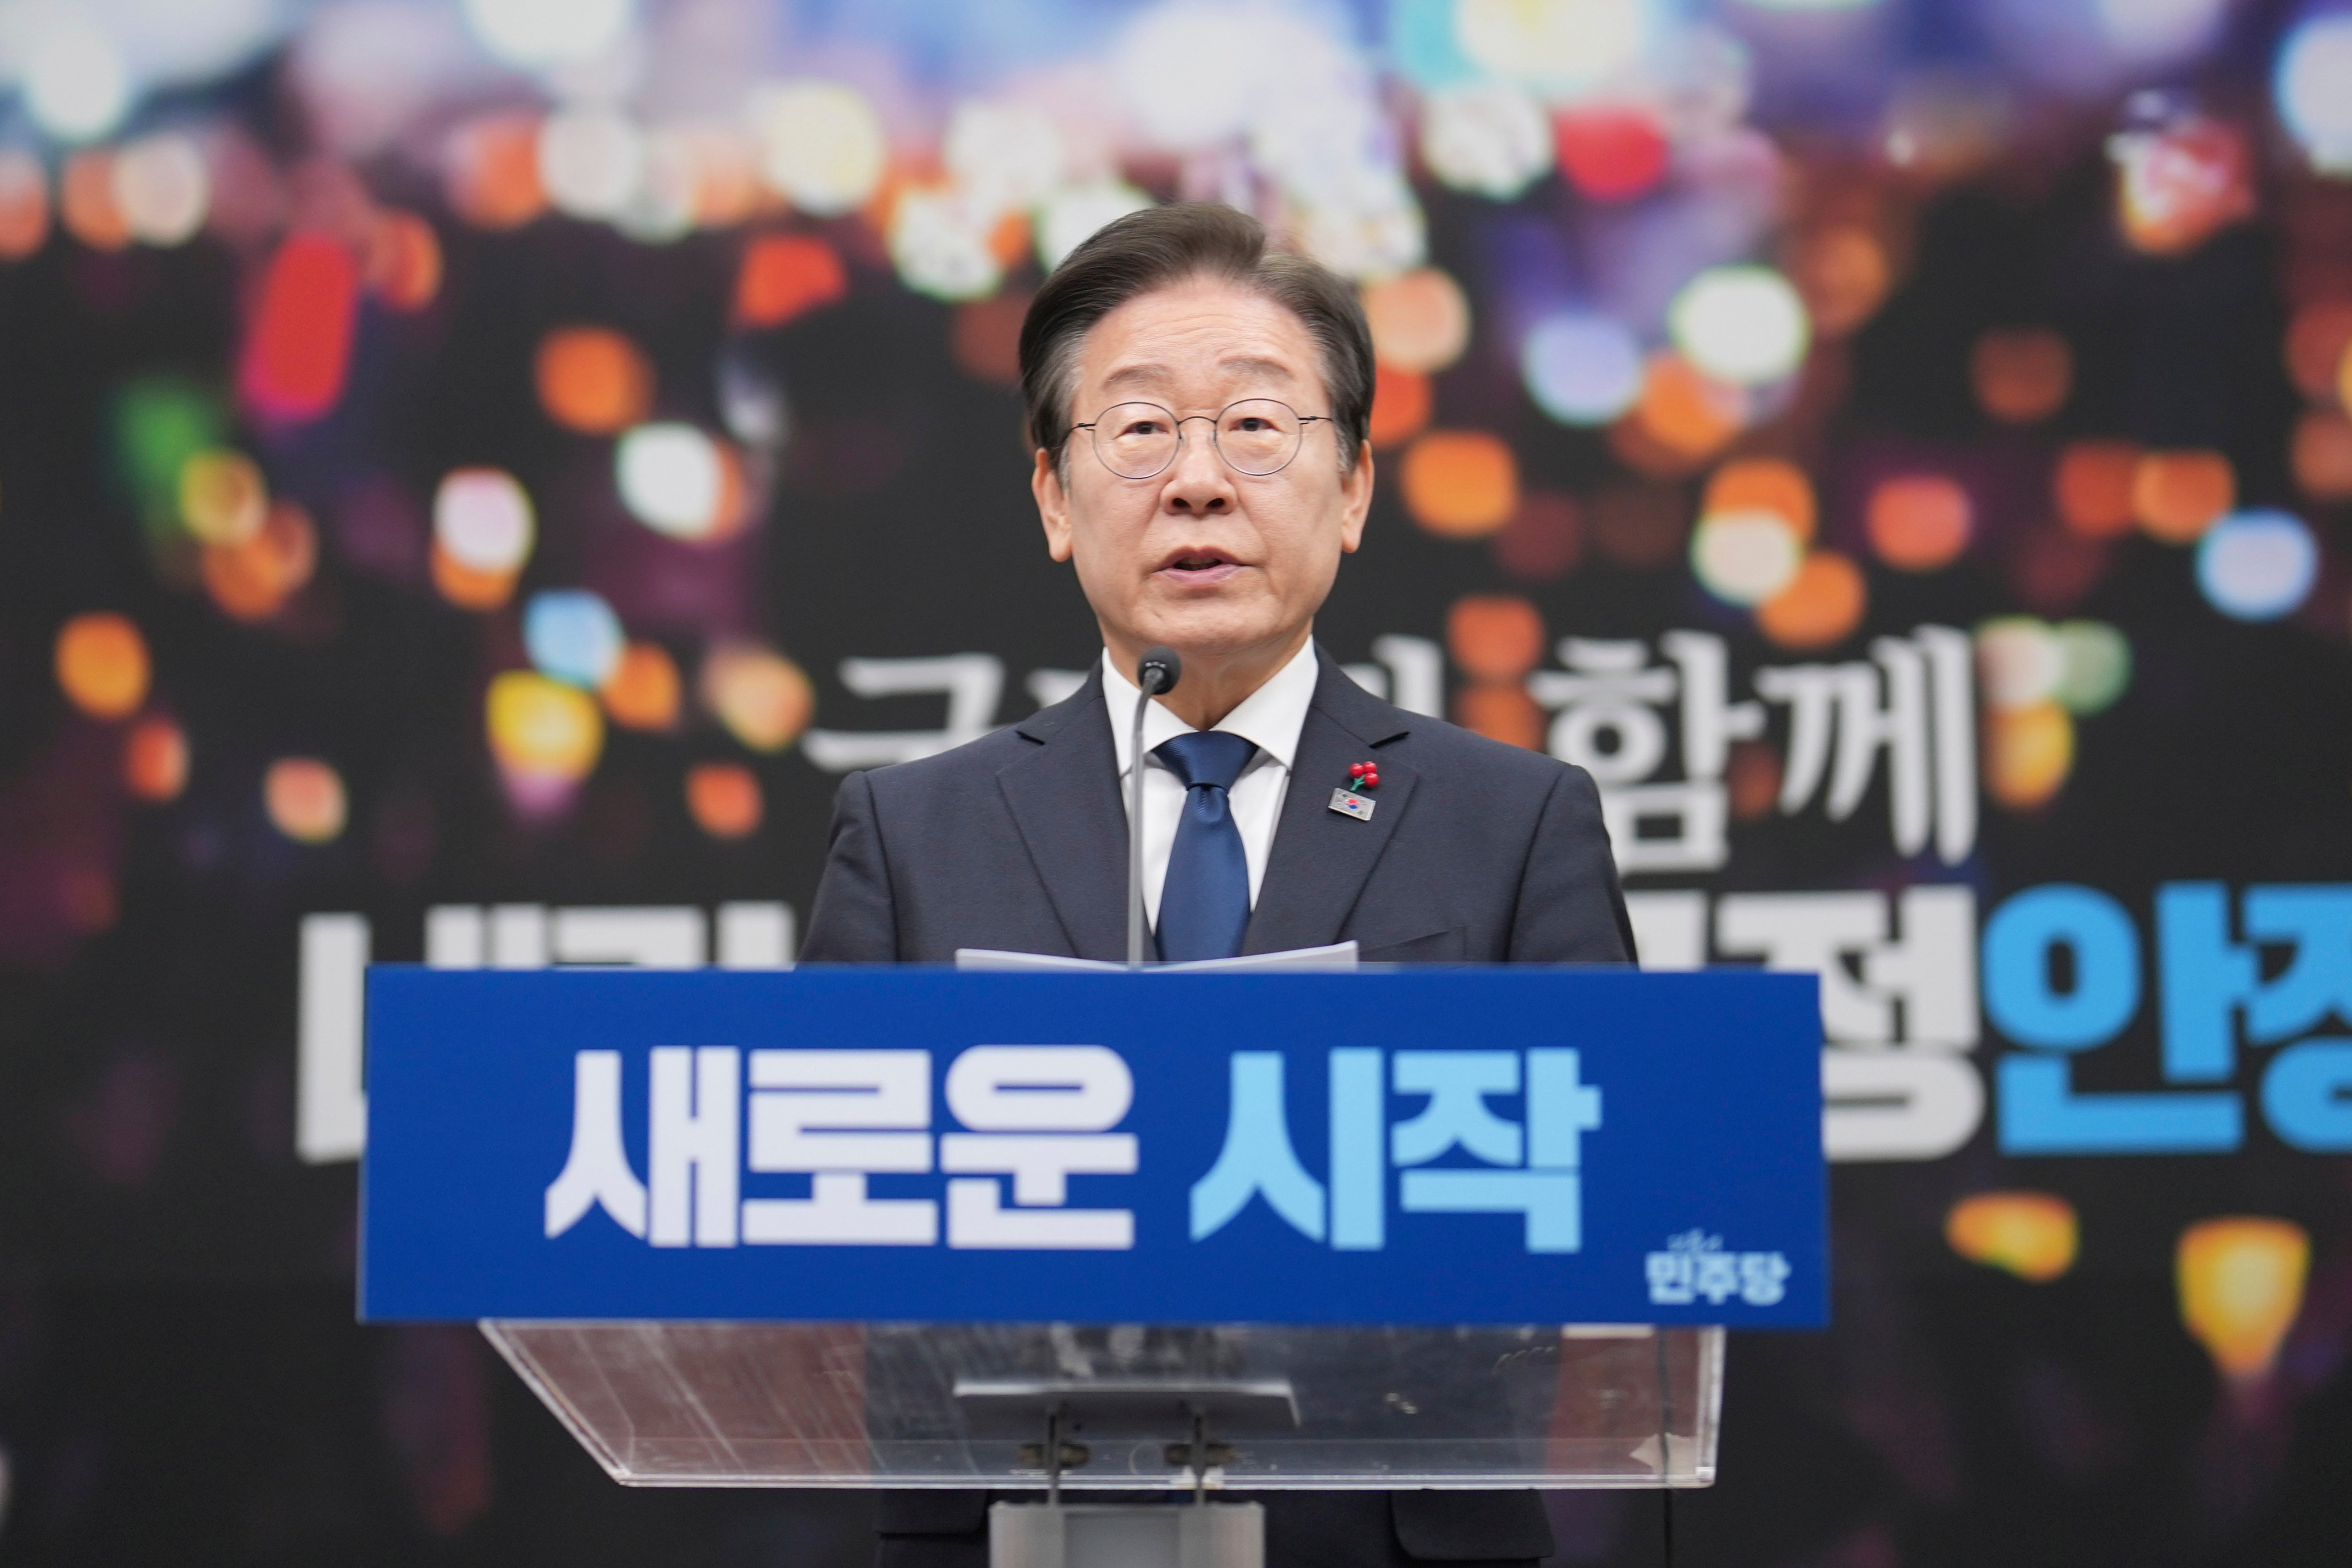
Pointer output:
1217, 564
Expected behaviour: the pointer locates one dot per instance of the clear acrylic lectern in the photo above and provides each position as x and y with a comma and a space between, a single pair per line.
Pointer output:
1067, 1409
1121, 1288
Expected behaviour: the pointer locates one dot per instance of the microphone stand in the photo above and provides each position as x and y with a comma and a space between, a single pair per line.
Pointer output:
1157, 671
1135, 835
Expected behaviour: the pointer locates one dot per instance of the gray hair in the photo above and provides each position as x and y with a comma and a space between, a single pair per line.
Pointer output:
1162, 245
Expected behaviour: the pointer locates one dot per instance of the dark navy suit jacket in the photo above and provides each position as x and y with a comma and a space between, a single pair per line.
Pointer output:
1475, 853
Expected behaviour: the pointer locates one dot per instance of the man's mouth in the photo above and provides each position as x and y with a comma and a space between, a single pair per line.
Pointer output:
1191, 564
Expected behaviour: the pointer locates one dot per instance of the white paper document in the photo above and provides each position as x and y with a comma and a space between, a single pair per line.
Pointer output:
1337, 957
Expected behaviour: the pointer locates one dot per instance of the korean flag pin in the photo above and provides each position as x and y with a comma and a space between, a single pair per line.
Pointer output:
1348, 801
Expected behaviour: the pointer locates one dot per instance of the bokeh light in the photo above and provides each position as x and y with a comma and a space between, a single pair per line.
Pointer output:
2095, 667
1490, 138
1504, 713
1919, 522
1070, 217
305, 800
786, 275
946, 246
589, 162
541, 728
101, 664
298, 348
1611, 153
2177, 496
2092, 487
468, 587
538, 34
1684, 412
222, 499
1401, 405
2034, 1236
2178, 184
672, 480
404, 261
1581, 369
1772, 484
2020, 661
1420, 320
1495, 636
1752, 775
724, 799
821, 145
1743, 325
642, 691
593, 380
2257, 565
1820, 606
2321, 455
1544, 538
1460, 484
24, 203
163, 189
2315, 89
491, 169
2318, 338
2022, 374
675, 187
1560, 47
1187, 73
761, 697
161, 421
1007, 156
2241, 1282
482, 520
87, 204
572, 635
252, 579
76, 85
1745, 557
2027, 753
155, 759
986, 339
1843, 272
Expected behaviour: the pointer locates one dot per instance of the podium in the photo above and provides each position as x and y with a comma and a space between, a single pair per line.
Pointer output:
1062, 1237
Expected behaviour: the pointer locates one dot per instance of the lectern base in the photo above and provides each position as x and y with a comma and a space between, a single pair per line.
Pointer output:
1106, 1535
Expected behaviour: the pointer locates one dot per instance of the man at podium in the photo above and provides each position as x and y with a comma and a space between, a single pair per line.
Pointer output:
1199, 402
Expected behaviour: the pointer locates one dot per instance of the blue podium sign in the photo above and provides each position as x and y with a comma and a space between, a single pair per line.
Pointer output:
1502, 1145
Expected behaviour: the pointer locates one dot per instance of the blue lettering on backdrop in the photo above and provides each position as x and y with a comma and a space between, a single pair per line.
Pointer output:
2210, 984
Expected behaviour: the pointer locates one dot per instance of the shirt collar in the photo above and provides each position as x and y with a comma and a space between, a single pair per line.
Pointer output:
1270, 718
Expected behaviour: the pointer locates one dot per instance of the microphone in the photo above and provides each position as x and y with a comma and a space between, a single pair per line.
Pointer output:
1157, 671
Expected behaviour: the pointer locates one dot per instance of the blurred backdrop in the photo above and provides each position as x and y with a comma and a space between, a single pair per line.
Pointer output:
475, 475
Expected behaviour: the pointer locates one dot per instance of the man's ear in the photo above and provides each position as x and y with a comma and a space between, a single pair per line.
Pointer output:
1356, 500
1053, 505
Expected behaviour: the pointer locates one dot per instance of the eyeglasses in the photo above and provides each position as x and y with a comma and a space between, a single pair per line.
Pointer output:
1256, 437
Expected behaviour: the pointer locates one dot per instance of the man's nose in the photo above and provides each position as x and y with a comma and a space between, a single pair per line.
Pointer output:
1197, 483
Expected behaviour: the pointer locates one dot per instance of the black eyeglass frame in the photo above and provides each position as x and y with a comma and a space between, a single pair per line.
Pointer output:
1179, 421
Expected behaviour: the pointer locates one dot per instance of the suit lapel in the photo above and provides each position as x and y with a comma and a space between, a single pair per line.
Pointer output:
1321, 858
1064, 796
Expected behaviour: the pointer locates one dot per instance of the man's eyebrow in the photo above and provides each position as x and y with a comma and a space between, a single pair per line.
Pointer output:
1157, 374
1136, 375
1257, 367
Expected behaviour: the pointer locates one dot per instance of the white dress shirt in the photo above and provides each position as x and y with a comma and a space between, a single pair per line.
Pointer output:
1270, 719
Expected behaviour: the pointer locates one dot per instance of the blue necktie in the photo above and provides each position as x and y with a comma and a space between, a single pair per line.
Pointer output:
1205, 905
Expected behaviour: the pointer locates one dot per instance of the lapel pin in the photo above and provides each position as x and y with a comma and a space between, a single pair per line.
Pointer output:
1346, 800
